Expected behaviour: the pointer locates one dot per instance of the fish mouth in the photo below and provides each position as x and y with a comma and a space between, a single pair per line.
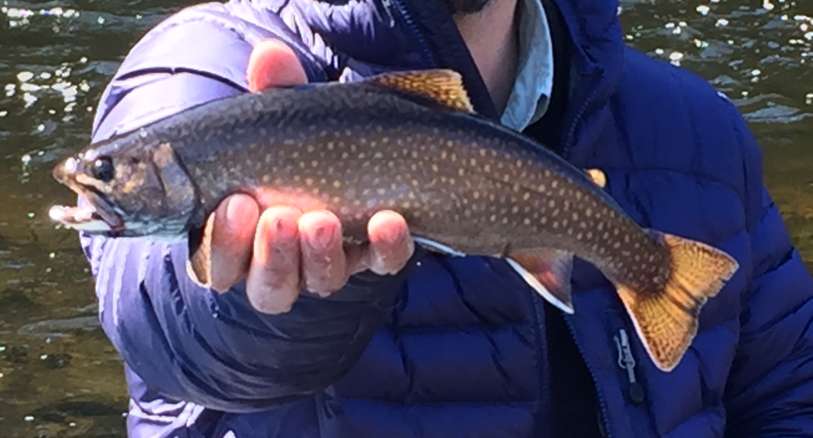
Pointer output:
97, 217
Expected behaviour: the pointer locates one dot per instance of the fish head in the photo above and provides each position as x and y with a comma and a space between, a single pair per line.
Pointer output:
127, 190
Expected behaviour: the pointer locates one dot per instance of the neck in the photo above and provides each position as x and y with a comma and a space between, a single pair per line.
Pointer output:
491, 37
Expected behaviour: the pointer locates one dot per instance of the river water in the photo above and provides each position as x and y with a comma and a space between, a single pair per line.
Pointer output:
58, 374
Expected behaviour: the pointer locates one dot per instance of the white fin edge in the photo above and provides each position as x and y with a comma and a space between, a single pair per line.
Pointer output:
436, 246
539, 287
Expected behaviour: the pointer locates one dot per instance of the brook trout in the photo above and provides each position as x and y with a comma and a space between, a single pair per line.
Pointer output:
409, 142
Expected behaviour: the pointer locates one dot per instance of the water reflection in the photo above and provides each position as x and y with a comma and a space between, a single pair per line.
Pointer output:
58, 374
57, 328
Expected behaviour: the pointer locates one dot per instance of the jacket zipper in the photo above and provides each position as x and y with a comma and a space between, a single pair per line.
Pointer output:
427, 54
602, 403
403, 11
572, 130
603, 409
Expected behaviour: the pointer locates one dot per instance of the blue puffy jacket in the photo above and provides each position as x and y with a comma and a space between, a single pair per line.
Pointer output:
461, 346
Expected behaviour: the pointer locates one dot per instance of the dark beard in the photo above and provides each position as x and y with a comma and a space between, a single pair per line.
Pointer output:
466, 6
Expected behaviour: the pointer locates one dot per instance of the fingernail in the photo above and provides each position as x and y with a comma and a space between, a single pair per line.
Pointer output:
232, 209
321, 238
237, 211
283, 227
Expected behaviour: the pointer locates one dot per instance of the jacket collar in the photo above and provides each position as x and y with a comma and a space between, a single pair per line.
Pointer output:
588, 31
433, 25
593, 33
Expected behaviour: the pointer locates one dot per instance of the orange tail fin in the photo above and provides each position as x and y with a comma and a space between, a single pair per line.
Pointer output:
666, 319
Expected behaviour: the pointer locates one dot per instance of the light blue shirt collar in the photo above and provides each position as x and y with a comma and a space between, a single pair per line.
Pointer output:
534, 82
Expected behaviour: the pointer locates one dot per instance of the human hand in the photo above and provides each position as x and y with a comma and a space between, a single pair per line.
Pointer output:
281, 250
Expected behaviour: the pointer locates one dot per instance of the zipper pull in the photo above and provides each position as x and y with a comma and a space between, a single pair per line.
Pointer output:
626, 361
387, 4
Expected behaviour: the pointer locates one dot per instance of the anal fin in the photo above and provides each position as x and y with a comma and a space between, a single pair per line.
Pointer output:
548, 272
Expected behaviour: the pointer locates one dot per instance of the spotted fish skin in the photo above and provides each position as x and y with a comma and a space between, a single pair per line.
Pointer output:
458, 179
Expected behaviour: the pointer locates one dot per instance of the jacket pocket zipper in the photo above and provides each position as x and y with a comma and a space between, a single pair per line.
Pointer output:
626, 361
387, 4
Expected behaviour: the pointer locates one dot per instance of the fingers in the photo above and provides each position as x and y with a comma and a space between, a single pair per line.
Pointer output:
323, 261
282, 250
233, 231
390, 243
274, 64
273, 279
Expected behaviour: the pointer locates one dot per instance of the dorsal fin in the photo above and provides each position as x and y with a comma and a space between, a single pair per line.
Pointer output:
442, 86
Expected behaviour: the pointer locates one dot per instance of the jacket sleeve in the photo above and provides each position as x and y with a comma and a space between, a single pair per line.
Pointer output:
186, 342
770, 391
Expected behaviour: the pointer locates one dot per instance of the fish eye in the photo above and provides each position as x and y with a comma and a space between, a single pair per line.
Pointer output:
103, 169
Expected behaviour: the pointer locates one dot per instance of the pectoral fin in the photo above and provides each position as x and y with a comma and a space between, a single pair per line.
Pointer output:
199, 263
548, 272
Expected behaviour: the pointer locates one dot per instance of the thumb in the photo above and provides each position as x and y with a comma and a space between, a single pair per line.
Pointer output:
274, 64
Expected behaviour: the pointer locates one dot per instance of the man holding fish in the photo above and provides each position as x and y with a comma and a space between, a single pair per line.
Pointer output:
307, 309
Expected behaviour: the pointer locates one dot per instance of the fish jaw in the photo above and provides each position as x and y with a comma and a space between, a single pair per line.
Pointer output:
97, 215
83, 219
94, 218
86, 219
